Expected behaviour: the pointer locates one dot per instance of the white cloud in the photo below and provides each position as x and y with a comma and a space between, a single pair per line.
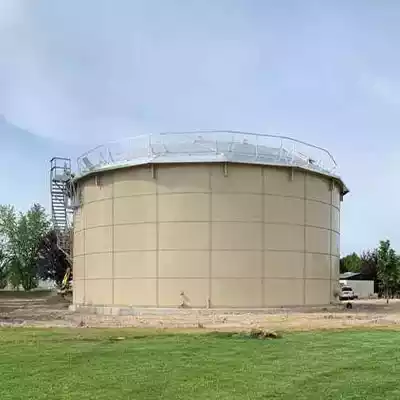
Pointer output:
382, 88
93, 71
12, 12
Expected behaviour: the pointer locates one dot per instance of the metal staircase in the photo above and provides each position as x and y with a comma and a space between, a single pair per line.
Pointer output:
61, 212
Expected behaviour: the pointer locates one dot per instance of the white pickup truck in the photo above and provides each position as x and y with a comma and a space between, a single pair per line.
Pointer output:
347, 293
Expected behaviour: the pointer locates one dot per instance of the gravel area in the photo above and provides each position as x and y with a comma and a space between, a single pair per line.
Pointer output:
50, 310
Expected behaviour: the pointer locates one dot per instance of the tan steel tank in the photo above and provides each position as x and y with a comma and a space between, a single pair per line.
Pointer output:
184, 230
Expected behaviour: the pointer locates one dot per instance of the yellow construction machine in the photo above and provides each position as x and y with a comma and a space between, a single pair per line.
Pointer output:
66, 286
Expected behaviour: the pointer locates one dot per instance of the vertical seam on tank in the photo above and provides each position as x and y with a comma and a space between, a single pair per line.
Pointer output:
84, 250
210, 249
157, 243
305, 240
263, 237
112, 242
330, 242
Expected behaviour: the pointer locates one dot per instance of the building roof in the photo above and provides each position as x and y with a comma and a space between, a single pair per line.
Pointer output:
348, 275
209, 146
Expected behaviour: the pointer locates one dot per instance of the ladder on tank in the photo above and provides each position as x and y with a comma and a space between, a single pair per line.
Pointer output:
61, 212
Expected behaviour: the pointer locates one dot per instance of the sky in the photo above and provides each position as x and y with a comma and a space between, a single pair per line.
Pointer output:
74, 74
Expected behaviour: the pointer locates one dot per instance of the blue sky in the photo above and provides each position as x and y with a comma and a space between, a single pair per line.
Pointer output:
76, 73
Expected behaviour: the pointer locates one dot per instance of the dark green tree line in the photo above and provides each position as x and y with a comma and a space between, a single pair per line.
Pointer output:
382, 265
28, 249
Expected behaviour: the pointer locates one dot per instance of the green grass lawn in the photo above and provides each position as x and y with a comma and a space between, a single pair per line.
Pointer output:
89, 364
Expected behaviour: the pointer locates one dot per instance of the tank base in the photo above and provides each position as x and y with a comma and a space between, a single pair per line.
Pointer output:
137, 311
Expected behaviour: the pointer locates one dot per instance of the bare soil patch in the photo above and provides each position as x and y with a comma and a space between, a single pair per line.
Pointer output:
33, 309
51, 310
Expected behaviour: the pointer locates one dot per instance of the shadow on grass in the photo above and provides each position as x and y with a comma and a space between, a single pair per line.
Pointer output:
253, 334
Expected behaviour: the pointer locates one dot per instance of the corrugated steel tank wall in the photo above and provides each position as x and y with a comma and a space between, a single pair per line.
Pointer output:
215, 235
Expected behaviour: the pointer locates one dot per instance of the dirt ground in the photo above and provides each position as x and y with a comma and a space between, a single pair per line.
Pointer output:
50, 310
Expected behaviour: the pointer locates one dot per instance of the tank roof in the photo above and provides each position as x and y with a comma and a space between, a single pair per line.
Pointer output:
209, 147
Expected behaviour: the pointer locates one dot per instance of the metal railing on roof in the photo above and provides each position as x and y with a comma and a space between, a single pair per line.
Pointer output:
208, 146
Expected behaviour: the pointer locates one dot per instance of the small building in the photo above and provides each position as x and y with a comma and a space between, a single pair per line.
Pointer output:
362, 287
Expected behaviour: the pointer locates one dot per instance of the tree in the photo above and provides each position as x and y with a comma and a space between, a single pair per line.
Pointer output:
21, 235
350, 263
369, 268
388, 268
14, 273
53, 262
4, 269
